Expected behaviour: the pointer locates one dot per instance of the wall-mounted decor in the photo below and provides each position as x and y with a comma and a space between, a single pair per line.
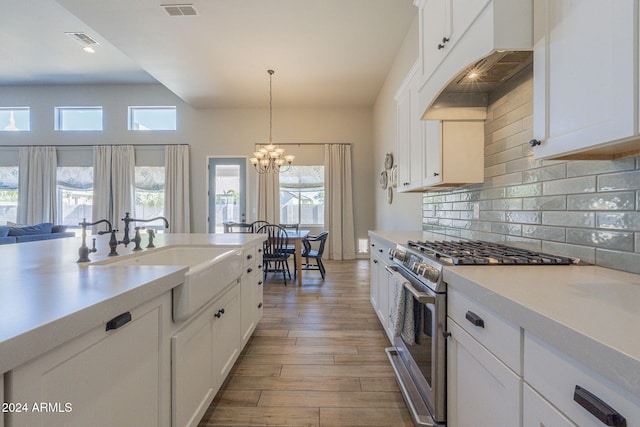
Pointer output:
389, 176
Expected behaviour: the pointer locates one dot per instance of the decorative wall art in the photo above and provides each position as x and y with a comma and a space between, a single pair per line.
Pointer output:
389, 177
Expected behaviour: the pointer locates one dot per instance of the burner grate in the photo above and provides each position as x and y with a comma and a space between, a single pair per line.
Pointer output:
478, 252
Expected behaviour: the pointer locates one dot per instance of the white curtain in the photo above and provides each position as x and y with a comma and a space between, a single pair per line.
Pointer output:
123, 167
338, 205
113, 183
176, 190
37, 185
101, 207
269, 197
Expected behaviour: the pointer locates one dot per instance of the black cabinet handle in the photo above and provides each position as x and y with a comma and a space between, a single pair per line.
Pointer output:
535, 142
218, 314
474, 319
249, 256
118, 321
260, 250
380, 250
436, 174
249, 270
375, 261
222, 310
598, 408
373, 245
260, 305
260, 283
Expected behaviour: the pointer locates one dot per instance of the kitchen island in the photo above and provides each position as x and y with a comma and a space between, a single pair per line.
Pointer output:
51, 303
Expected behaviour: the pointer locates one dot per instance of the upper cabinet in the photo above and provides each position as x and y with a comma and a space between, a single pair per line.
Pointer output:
455, 35
584, 75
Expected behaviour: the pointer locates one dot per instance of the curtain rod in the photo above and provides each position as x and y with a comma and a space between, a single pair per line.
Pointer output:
86, 145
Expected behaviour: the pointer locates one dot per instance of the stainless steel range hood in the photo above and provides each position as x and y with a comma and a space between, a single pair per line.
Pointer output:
472, 86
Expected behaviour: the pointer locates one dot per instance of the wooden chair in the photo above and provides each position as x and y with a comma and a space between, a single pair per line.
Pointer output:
291, 249
274, 255
314, 248
255, 225
237, 227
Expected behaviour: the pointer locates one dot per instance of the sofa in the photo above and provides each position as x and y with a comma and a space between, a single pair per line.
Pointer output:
31, 233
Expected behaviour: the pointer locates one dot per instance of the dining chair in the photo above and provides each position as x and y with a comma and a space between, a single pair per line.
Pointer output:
314, 248
237, 227
291, 249
274, 251
255, 225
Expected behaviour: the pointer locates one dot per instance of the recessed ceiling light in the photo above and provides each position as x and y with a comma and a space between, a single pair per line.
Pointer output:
89, 49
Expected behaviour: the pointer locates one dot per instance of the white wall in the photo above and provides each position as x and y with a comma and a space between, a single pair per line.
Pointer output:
405, 213
209, 132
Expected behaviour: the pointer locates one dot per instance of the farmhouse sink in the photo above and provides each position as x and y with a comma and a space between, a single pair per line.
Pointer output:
211, 269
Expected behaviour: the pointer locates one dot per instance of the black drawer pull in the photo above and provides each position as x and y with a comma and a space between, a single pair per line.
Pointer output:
475, 319
118, 321
260, 305
249, 270
597, 408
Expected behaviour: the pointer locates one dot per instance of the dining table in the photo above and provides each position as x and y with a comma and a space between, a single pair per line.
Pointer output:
297, 237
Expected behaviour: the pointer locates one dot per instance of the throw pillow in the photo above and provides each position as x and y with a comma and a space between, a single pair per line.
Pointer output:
59, 228
43, 228
4, 231
14, 224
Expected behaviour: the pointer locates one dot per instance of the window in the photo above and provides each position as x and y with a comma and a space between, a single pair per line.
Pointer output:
152, 118
75, 194
15, 119
78, 118
8, 193
149, 194
302, 195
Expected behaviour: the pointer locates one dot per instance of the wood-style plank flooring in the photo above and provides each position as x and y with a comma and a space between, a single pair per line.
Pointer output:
316, 359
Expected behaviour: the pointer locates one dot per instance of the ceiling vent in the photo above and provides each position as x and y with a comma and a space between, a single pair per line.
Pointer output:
180, 9
82, 38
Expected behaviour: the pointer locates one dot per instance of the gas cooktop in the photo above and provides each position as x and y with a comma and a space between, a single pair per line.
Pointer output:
477, 252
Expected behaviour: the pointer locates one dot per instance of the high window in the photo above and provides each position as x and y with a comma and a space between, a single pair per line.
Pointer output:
78, 118
302, 195
152, 118
149, 195
75, 194
8, 193
14, 119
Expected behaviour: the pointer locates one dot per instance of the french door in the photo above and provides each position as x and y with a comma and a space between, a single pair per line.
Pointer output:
227, 191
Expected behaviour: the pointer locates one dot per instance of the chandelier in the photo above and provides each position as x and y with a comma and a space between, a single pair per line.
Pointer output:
270, 157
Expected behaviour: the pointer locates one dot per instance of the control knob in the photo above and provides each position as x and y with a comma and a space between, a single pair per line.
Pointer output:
430, 273
397, 253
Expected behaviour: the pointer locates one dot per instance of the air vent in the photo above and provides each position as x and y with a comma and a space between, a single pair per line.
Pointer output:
180, 9
82, 38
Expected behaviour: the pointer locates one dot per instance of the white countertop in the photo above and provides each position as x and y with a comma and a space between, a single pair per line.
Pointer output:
590, 313
48, 298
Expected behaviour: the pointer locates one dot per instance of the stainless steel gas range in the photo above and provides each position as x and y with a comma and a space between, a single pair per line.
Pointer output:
419, 314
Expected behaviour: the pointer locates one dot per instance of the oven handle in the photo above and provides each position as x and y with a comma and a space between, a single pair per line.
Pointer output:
421, 297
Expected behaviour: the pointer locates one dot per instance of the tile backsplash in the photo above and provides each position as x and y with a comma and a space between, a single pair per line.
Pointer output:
584, 209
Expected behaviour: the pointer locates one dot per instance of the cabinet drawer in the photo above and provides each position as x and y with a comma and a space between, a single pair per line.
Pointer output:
498, 335
250, 255
538, 412
381, 247
555, 376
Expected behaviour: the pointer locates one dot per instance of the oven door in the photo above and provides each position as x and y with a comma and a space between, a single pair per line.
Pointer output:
419, 352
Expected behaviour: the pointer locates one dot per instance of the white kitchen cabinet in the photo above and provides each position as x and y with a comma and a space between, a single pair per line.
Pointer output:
226, 334
537, 412
481, 390
105, 377
379, 280
583, 74
471, 30
442, 24
2, 399
555, 376
410, 131
454, 153
251, 292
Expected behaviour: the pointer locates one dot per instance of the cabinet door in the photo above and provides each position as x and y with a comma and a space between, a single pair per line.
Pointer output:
433, 169
434, 28
192, 370
374, 280
103, 378
226, 334
537, 412
583, 72
404, 140
250, 298
383, 294
481, 390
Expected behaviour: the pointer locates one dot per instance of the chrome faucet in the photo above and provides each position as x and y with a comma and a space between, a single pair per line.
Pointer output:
127, 220
84, 251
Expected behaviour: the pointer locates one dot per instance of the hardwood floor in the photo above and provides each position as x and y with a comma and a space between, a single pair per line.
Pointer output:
316, 359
